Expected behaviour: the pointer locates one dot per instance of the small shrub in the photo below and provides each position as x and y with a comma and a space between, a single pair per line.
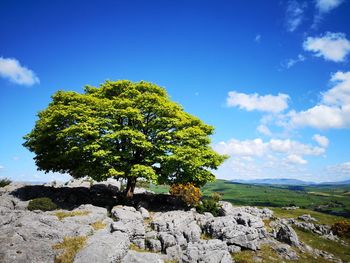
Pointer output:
42, 203
209, 205
189, 193
63, 214
216, 196
70, 246
341, 228
98, 225
4, 182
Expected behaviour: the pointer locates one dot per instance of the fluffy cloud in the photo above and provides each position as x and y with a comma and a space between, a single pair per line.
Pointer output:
11, 69
294, 15
324, 6
293, 158
334, 109
266, 159
263, 129
1, 167
321, 140
331, 46
250, 102
259, 148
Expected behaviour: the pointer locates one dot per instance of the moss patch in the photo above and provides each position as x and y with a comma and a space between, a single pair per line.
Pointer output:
42, 203
70, 247
63, 214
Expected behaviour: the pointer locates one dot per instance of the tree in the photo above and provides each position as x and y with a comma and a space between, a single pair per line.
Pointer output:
123, 129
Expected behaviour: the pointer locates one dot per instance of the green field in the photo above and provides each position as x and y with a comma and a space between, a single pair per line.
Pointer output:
327, 199
333, 200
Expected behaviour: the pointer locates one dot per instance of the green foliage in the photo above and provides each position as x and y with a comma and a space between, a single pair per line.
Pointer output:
4, 182
42, 203
210, 205
126, 130
188, 192
341, 228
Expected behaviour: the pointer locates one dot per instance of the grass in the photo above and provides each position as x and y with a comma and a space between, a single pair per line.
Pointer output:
137, 249
329, 199
205, 236
337, 249
98, 225
63, 214
267, 255
321, 217
70, 247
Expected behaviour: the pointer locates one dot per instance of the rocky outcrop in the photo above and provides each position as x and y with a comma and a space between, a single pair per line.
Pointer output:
138, 233
130, 222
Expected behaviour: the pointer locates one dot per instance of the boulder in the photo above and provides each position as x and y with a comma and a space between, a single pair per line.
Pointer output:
176, 228
307, 218
104, 247
144, 212
286, 234
130, 222
285, 251
227, 229
228, 209
207, 251
142, 257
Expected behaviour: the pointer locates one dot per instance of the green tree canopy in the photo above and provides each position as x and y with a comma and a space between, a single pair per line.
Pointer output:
123, 129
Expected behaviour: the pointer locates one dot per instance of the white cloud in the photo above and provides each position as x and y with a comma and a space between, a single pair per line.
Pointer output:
259, 148
294, 15
332, 112
291, 62
257, 38
1, 167
293, 158
331, 46
263, 129
273, 158
321, 140
324, 6
250, 102
12, 70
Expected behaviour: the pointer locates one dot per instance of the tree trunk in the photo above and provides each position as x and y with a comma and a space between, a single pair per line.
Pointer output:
130, 187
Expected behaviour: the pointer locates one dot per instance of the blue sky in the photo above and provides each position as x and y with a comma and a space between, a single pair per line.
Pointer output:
273, 77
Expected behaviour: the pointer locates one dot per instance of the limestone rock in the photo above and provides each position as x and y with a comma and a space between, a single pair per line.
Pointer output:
142, 257
129, 221
207, 251
307, 218
227, 229
104, 247
286, 234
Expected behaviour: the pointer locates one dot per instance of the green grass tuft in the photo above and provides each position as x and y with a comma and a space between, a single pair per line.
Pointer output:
63, 214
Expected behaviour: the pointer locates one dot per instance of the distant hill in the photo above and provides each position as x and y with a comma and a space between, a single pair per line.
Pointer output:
286, 181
